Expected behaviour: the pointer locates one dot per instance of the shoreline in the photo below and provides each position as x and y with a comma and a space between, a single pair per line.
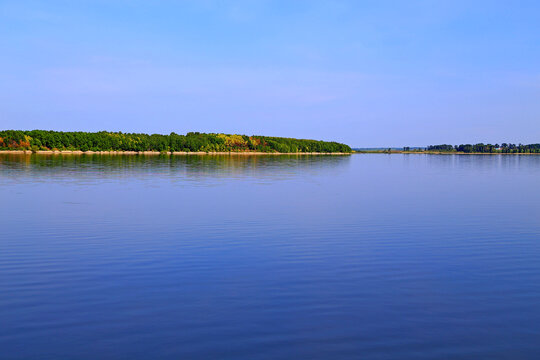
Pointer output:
462, 153
437, 153
240, 153
79, 152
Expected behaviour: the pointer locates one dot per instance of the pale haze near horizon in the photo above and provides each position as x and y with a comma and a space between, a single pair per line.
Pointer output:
367, 73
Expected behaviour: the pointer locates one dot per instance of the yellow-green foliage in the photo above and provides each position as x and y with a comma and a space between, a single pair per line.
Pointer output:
233, 141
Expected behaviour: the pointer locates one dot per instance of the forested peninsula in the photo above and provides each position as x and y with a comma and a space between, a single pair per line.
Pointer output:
43, 140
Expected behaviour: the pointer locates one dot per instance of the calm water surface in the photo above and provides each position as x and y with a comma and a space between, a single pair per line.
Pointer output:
278, 257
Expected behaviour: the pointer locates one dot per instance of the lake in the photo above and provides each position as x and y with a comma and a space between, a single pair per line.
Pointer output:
368, 256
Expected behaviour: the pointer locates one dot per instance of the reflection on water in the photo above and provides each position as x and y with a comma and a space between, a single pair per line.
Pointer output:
269, 257
199, 167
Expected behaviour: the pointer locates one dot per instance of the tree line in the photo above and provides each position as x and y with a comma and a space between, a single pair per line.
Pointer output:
487, 148
193, 141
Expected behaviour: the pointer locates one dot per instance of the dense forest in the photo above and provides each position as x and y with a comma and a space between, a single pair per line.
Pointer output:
117, 141
487, 148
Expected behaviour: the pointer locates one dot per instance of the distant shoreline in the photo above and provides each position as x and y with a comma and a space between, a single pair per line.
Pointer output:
438, 153
242, 153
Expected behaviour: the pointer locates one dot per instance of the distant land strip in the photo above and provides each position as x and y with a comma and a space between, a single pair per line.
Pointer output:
78, 142
471, 149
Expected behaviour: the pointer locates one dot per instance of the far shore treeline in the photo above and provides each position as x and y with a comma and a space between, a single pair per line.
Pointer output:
487, 148
37, 140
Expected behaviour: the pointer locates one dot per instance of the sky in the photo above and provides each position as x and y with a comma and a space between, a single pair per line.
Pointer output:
367, 73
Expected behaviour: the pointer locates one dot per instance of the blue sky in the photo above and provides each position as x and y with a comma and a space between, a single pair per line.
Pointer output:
368, 73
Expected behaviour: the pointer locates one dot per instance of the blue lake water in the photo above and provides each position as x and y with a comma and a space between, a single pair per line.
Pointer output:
270, 257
